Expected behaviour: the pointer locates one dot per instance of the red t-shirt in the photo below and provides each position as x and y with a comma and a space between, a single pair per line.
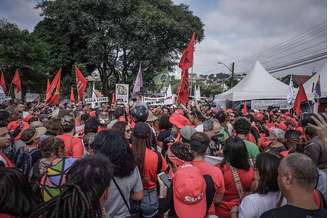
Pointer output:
231, 197
207, 169
73, 146
150, 169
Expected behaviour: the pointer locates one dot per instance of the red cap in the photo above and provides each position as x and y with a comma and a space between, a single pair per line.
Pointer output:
259, 116
189, 192
92, 114
284, 153
282, 126
179, 120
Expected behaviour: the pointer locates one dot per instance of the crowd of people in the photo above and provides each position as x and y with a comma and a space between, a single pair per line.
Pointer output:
180, 161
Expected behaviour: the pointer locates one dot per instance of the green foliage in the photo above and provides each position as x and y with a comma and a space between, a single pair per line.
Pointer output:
116, 36
22, 50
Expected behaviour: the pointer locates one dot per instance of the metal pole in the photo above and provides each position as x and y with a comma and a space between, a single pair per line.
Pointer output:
232, 74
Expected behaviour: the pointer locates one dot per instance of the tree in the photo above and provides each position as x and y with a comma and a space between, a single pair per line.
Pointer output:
116, 36
20, 49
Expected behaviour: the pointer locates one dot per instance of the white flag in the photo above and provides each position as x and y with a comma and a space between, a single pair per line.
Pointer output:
138, 84
290, 94
169, 91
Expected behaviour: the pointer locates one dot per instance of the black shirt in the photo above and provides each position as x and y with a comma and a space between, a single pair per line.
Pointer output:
289, 211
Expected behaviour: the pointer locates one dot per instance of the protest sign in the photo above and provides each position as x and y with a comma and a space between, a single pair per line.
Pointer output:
158, 101
96, 100
31, 97
122, 93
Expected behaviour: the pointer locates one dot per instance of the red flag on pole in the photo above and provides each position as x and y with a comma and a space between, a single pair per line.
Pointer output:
187, 58
81, 83
244, 109
72, 98
17, 81
3, 82
183, 92
113, 98
185, 63
301, 97
53, 94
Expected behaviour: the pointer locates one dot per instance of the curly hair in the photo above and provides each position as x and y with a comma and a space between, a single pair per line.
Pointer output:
117, 150
182, 151
51, 146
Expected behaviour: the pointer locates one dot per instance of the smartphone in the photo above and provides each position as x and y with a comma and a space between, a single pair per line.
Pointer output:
165, 179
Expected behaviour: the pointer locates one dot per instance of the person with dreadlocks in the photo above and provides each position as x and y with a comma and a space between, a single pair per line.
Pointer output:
84, 192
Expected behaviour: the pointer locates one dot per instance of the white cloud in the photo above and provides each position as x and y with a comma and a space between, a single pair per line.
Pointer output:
236, 30
21, 12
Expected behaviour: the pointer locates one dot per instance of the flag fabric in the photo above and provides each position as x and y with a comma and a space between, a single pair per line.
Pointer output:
169, 91
138, 84
81, 83
244, 109
3, 83
186, 60
301, 97
290, 94
183, 94
185, 63
53, 94
17, 82
72, 98
317, 88
113, 98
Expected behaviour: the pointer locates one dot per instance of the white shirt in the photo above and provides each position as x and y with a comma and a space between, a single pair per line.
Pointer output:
252, 206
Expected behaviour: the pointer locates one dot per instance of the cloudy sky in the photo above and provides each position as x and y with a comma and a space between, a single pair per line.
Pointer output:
236, 30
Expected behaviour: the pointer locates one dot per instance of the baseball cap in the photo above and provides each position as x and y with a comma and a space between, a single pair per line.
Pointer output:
186, 132
179, 120
189, 192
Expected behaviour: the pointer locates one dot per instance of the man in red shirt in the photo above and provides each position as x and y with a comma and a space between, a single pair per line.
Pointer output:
73, 145
199, 144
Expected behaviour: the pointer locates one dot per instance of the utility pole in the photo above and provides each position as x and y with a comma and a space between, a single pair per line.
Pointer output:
232, 74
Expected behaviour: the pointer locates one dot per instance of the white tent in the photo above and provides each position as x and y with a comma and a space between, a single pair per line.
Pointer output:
308, 85
258, 84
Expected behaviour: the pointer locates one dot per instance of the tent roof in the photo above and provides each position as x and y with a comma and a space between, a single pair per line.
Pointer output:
258, 84
313, 80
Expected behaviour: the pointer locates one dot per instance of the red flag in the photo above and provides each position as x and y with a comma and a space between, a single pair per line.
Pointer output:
185, 63
3, 82
301, 97
186, 60
113, 99
244, 109
72, 98
183, 93
81, 82
53, 94
17, 81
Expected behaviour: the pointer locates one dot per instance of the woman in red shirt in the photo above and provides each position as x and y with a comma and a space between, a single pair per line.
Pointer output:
150, 163
235, 160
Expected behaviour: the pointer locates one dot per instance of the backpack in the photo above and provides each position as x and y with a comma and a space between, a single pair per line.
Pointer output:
52, 182
25, 161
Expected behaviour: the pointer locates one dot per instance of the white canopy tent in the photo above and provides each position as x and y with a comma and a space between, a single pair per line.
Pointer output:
258, 84
309, 85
